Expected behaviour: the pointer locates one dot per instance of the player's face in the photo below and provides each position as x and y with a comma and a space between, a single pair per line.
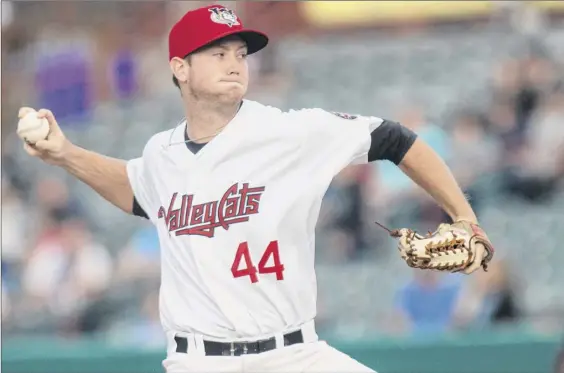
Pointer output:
220, 72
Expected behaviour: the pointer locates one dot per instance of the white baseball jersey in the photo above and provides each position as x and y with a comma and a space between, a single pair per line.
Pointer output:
236, 220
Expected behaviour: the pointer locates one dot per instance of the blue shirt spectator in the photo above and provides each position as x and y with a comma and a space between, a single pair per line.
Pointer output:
428, 302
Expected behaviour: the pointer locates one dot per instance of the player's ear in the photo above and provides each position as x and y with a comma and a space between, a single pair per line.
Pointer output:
179, 69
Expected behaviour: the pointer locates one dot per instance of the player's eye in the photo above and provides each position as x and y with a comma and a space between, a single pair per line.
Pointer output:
243, 55
219, 54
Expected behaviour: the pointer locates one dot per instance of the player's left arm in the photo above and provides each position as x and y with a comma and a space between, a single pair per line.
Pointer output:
426, 168
398, 144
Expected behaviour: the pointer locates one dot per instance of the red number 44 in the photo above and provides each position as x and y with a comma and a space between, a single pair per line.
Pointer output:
249, 269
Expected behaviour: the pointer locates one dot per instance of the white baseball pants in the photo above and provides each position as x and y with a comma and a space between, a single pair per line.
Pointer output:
312, 356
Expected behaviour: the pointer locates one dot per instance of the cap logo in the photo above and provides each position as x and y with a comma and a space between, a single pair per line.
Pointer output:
224, 16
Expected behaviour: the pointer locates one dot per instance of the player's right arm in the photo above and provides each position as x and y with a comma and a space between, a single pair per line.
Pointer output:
107, 176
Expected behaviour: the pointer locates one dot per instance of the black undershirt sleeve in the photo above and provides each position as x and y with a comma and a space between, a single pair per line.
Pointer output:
138, 210
390, 141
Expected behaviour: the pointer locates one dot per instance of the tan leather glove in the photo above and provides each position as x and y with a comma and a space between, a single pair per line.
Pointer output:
459, 247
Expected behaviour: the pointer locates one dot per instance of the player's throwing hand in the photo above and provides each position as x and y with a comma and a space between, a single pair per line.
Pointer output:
53, 148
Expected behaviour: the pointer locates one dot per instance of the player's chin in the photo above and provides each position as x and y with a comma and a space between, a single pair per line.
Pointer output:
233, 94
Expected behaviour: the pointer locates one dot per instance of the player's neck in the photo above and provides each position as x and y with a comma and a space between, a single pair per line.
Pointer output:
206, 119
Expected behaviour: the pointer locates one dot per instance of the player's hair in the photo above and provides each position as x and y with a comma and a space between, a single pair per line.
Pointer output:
207, 46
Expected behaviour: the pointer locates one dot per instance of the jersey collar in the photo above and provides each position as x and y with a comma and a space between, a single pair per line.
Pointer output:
182, 156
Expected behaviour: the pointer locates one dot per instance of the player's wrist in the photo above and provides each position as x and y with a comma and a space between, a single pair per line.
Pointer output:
68, 154
465, 218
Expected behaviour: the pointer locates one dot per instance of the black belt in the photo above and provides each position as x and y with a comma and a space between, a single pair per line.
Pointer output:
213, 348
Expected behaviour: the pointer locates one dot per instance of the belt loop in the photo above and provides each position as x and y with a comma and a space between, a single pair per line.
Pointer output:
308, 332
197, 341
279, 337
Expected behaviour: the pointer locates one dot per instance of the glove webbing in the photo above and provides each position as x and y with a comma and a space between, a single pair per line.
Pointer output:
441, 248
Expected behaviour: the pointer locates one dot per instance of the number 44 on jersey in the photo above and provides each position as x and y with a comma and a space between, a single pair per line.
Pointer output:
269, 262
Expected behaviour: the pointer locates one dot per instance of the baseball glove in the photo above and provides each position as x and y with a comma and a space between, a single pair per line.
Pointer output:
459, 247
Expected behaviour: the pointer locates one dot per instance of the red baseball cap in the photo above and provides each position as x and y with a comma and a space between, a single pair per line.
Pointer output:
205, 25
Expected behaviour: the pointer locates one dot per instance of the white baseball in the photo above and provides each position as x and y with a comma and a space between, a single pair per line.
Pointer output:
31, 129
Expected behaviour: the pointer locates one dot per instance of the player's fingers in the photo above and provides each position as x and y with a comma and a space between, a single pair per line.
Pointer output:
24, 111
473, 267
47, 114
30, 150
477, 263
43, 145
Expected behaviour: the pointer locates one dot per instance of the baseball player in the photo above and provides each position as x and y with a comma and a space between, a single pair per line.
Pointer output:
234, 191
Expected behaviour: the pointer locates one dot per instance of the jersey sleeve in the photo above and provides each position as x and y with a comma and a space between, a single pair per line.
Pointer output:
138, 171
343, 138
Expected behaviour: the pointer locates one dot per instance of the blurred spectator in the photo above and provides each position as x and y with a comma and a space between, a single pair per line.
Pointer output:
16, 87
54, 200
469, 161
123, 74
6, 304
487, 298
518, 89
502, 123
15, 236
66, 270
140, 259
473, 166
11, 175
147, 327
94, 315
63, 73
343, 216
541, 166
143, 327
150, 45
425, 306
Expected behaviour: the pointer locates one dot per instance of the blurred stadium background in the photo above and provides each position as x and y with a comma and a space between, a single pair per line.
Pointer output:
481, 81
